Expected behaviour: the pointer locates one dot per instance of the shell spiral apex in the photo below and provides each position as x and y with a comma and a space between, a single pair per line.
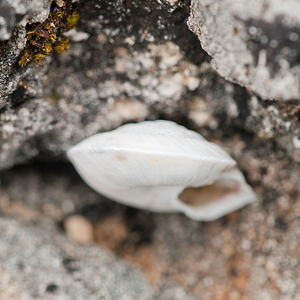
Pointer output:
164, 167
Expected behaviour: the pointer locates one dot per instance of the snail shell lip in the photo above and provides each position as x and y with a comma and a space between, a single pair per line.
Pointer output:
150, 164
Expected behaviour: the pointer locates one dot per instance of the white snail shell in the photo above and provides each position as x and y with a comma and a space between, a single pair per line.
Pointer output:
163, 167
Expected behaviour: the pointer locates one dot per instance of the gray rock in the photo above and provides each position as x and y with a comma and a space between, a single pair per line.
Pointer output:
36, 198
21, 11
232, 257
254, 43
14, 16
10, 75
39, 263
129, 67
127, 76
128, 85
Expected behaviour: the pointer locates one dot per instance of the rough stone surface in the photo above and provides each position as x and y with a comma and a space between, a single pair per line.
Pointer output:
42, 264
134, 63
255, 43
250, 254
131, 67
21, 12
125, 71
130, 61
12, 13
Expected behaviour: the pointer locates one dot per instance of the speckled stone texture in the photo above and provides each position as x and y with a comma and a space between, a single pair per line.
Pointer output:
133, 63
14, 16
42, 264
20, 12
250, 254
136, 60
255, 43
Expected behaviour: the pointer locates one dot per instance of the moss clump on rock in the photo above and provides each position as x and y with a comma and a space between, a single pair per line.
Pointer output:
47, 38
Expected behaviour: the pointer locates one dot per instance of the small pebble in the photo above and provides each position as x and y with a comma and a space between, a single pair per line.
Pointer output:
79, 229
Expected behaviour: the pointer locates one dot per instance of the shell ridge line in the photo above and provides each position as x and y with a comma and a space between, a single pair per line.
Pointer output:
158, 153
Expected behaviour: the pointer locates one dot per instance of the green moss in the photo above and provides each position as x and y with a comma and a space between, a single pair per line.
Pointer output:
72, 19
62, 45
47, 38
38, 58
